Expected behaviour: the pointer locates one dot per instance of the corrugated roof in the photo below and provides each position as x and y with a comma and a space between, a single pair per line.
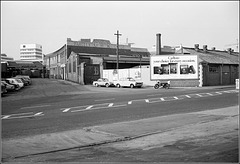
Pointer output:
214, 56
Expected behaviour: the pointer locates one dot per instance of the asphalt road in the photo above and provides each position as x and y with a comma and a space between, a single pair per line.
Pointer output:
49, 106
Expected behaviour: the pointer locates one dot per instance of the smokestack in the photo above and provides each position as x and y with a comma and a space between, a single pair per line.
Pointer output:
158, 45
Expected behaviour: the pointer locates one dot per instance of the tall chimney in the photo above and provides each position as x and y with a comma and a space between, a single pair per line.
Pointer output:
158, 45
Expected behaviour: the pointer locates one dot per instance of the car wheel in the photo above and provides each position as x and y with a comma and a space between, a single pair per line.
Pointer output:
131, 86
118, 85
96, 85
107, 85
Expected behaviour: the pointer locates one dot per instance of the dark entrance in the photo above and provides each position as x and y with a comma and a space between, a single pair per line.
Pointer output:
91, 73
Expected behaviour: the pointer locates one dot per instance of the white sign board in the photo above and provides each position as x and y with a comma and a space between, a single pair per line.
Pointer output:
168, 67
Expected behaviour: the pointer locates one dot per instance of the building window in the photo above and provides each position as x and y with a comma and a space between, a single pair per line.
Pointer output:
74, 66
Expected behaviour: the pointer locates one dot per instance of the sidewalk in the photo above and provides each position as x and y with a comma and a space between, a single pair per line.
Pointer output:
145, 134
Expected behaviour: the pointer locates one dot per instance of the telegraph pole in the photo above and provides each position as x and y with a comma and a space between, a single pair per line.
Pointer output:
117, 48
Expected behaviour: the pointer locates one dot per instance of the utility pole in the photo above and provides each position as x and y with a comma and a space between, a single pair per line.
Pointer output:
117, 48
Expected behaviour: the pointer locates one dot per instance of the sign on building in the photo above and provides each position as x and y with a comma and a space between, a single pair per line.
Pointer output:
174, 67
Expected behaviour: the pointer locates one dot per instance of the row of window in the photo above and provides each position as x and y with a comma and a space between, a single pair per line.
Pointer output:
31, 53
32, 49
31, 56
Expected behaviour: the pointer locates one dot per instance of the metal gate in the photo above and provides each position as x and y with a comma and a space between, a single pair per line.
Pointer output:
91, 73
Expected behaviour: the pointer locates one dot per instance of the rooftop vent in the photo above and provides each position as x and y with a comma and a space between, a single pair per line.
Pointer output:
213, 48
205, 48
196, 47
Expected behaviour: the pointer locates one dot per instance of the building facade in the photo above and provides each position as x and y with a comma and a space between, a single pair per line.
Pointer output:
31, 52
91, 56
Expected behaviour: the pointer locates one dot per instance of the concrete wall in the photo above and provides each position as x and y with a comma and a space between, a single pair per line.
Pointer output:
143, 74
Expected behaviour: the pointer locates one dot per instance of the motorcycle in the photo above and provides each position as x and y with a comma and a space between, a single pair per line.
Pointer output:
159, 84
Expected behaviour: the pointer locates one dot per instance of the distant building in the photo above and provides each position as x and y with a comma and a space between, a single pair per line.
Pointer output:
5, 58
31, 52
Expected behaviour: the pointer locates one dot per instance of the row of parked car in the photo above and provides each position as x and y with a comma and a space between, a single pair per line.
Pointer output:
14, 83
123, 82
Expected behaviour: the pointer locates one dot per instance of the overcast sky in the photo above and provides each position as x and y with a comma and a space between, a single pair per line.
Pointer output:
215, 23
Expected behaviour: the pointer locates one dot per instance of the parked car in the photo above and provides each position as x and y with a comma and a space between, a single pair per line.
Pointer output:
25, 77
9, 87
16, 86
3, 88
128, 82
25, 82
103, 82
15, 81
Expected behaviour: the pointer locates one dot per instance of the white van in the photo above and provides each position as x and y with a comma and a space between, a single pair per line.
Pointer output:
15, 81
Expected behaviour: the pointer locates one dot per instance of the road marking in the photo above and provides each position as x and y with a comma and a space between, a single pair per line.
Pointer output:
5, 117
89, 107
66, 110
40, 106
218, 93
162, 99
209, 94
188, 96
146, 100
105, 99
175, 97
110, 105
38, 114
129, 102
199, 95
227, 91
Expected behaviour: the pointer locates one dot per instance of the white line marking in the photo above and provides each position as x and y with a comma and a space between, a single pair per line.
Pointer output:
105, 99
110, 105
37, 114
40, 106
199, 95
227, 91
129, 102
147, 101
66, 110
218, 93
81, 110
209, 94
162, 99
5, 117
89, 107
188, 96
176, 98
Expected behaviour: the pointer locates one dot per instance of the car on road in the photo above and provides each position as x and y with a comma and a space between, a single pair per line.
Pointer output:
103, 82
15, 81
128, 82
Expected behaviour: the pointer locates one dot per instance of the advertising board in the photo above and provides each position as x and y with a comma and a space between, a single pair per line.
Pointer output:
168, 67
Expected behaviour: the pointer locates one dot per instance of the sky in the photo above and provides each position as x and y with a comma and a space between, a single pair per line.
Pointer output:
50, 23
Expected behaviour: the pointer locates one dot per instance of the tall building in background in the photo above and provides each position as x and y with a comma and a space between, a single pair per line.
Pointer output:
31, 52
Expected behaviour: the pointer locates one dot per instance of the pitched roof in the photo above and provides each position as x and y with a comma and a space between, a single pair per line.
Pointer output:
215, 56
